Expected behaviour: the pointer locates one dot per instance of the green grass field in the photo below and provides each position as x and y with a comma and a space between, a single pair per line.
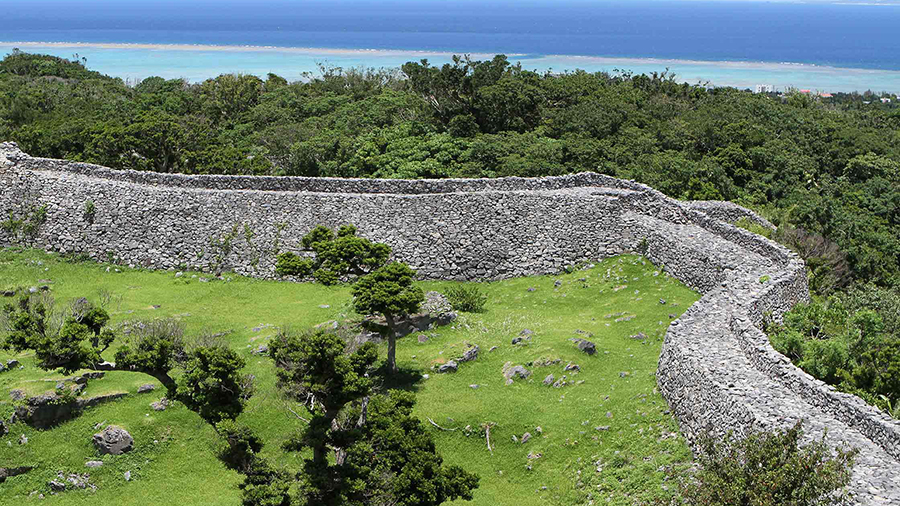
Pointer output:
567, 460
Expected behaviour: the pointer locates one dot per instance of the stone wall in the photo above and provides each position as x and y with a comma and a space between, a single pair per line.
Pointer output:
717, 369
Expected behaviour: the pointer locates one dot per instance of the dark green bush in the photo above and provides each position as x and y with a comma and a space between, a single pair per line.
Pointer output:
241, 445
467, 298
769, 469
290, 264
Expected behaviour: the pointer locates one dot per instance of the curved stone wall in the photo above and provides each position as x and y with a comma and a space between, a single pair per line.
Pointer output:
717, 369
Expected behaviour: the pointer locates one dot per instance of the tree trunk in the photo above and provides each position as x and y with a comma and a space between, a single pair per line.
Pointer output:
320, 449
392, 343
340, 454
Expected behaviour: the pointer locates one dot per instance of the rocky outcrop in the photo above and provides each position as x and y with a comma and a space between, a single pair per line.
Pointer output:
113, 440
45, 411
717, 369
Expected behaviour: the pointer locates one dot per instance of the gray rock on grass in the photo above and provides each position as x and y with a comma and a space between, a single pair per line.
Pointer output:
450, 366
113, 440
146, 388
470, 354
585, 346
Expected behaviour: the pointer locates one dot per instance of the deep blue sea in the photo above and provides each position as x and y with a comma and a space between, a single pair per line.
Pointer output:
545, 33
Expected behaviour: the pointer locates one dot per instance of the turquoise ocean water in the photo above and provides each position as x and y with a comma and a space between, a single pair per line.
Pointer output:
134, 64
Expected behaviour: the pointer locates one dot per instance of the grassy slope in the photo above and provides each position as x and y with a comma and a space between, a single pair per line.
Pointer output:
174, 457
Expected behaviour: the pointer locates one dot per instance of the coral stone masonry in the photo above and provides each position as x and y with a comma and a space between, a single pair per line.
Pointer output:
717, 369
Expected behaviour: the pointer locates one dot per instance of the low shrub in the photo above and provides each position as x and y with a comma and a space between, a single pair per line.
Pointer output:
769, 468
467, 298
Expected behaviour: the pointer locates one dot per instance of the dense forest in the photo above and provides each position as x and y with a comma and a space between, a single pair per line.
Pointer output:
827, 172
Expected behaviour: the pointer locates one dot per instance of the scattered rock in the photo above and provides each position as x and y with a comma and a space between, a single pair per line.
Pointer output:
549, 380
160, 405
475, 386
609, 414
571, 367
492, 349
639, 336
16, 394
561, 382
510, 372
544, 362
623, 374
470, 354
601, 427
524, 337
673, 316
585, 346
662, 301
423, 338
526, 437
127, 475
584, 333
72, 480
625, 318
113, 440
179, 274
147, 387
324, 306
11, 363
261, 350
93, 463
557, 283
531, 289
23, 439
450, 366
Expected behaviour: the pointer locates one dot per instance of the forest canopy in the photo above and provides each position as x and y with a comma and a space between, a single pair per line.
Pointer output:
828, 168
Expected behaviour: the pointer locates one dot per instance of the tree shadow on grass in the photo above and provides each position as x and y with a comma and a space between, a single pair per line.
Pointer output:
408, 379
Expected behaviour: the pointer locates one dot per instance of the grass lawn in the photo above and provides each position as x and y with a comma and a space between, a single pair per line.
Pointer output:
604, 437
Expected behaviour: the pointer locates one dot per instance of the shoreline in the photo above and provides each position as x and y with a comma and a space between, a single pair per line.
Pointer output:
388, 53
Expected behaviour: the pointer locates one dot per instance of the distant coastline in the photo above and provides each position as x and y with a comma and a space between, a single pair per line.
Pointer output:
324, 51
197, 62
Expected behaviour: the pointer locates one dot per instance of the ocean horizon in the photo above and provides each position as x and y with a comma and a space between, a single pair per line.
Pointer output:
825, 47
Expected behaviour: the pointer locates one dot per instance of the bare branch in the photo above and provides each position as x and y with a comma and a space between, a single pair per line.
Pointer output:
438, 426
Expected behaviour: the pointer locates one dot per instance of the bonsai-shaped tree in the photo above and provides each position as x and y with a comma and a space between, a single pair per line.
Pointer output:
336, 255
389, 291
382, 454
77, 337
314, 369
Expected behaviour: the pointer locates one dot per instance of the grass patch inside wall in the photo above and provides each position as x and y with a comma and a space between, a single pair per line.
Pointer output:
605, 436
